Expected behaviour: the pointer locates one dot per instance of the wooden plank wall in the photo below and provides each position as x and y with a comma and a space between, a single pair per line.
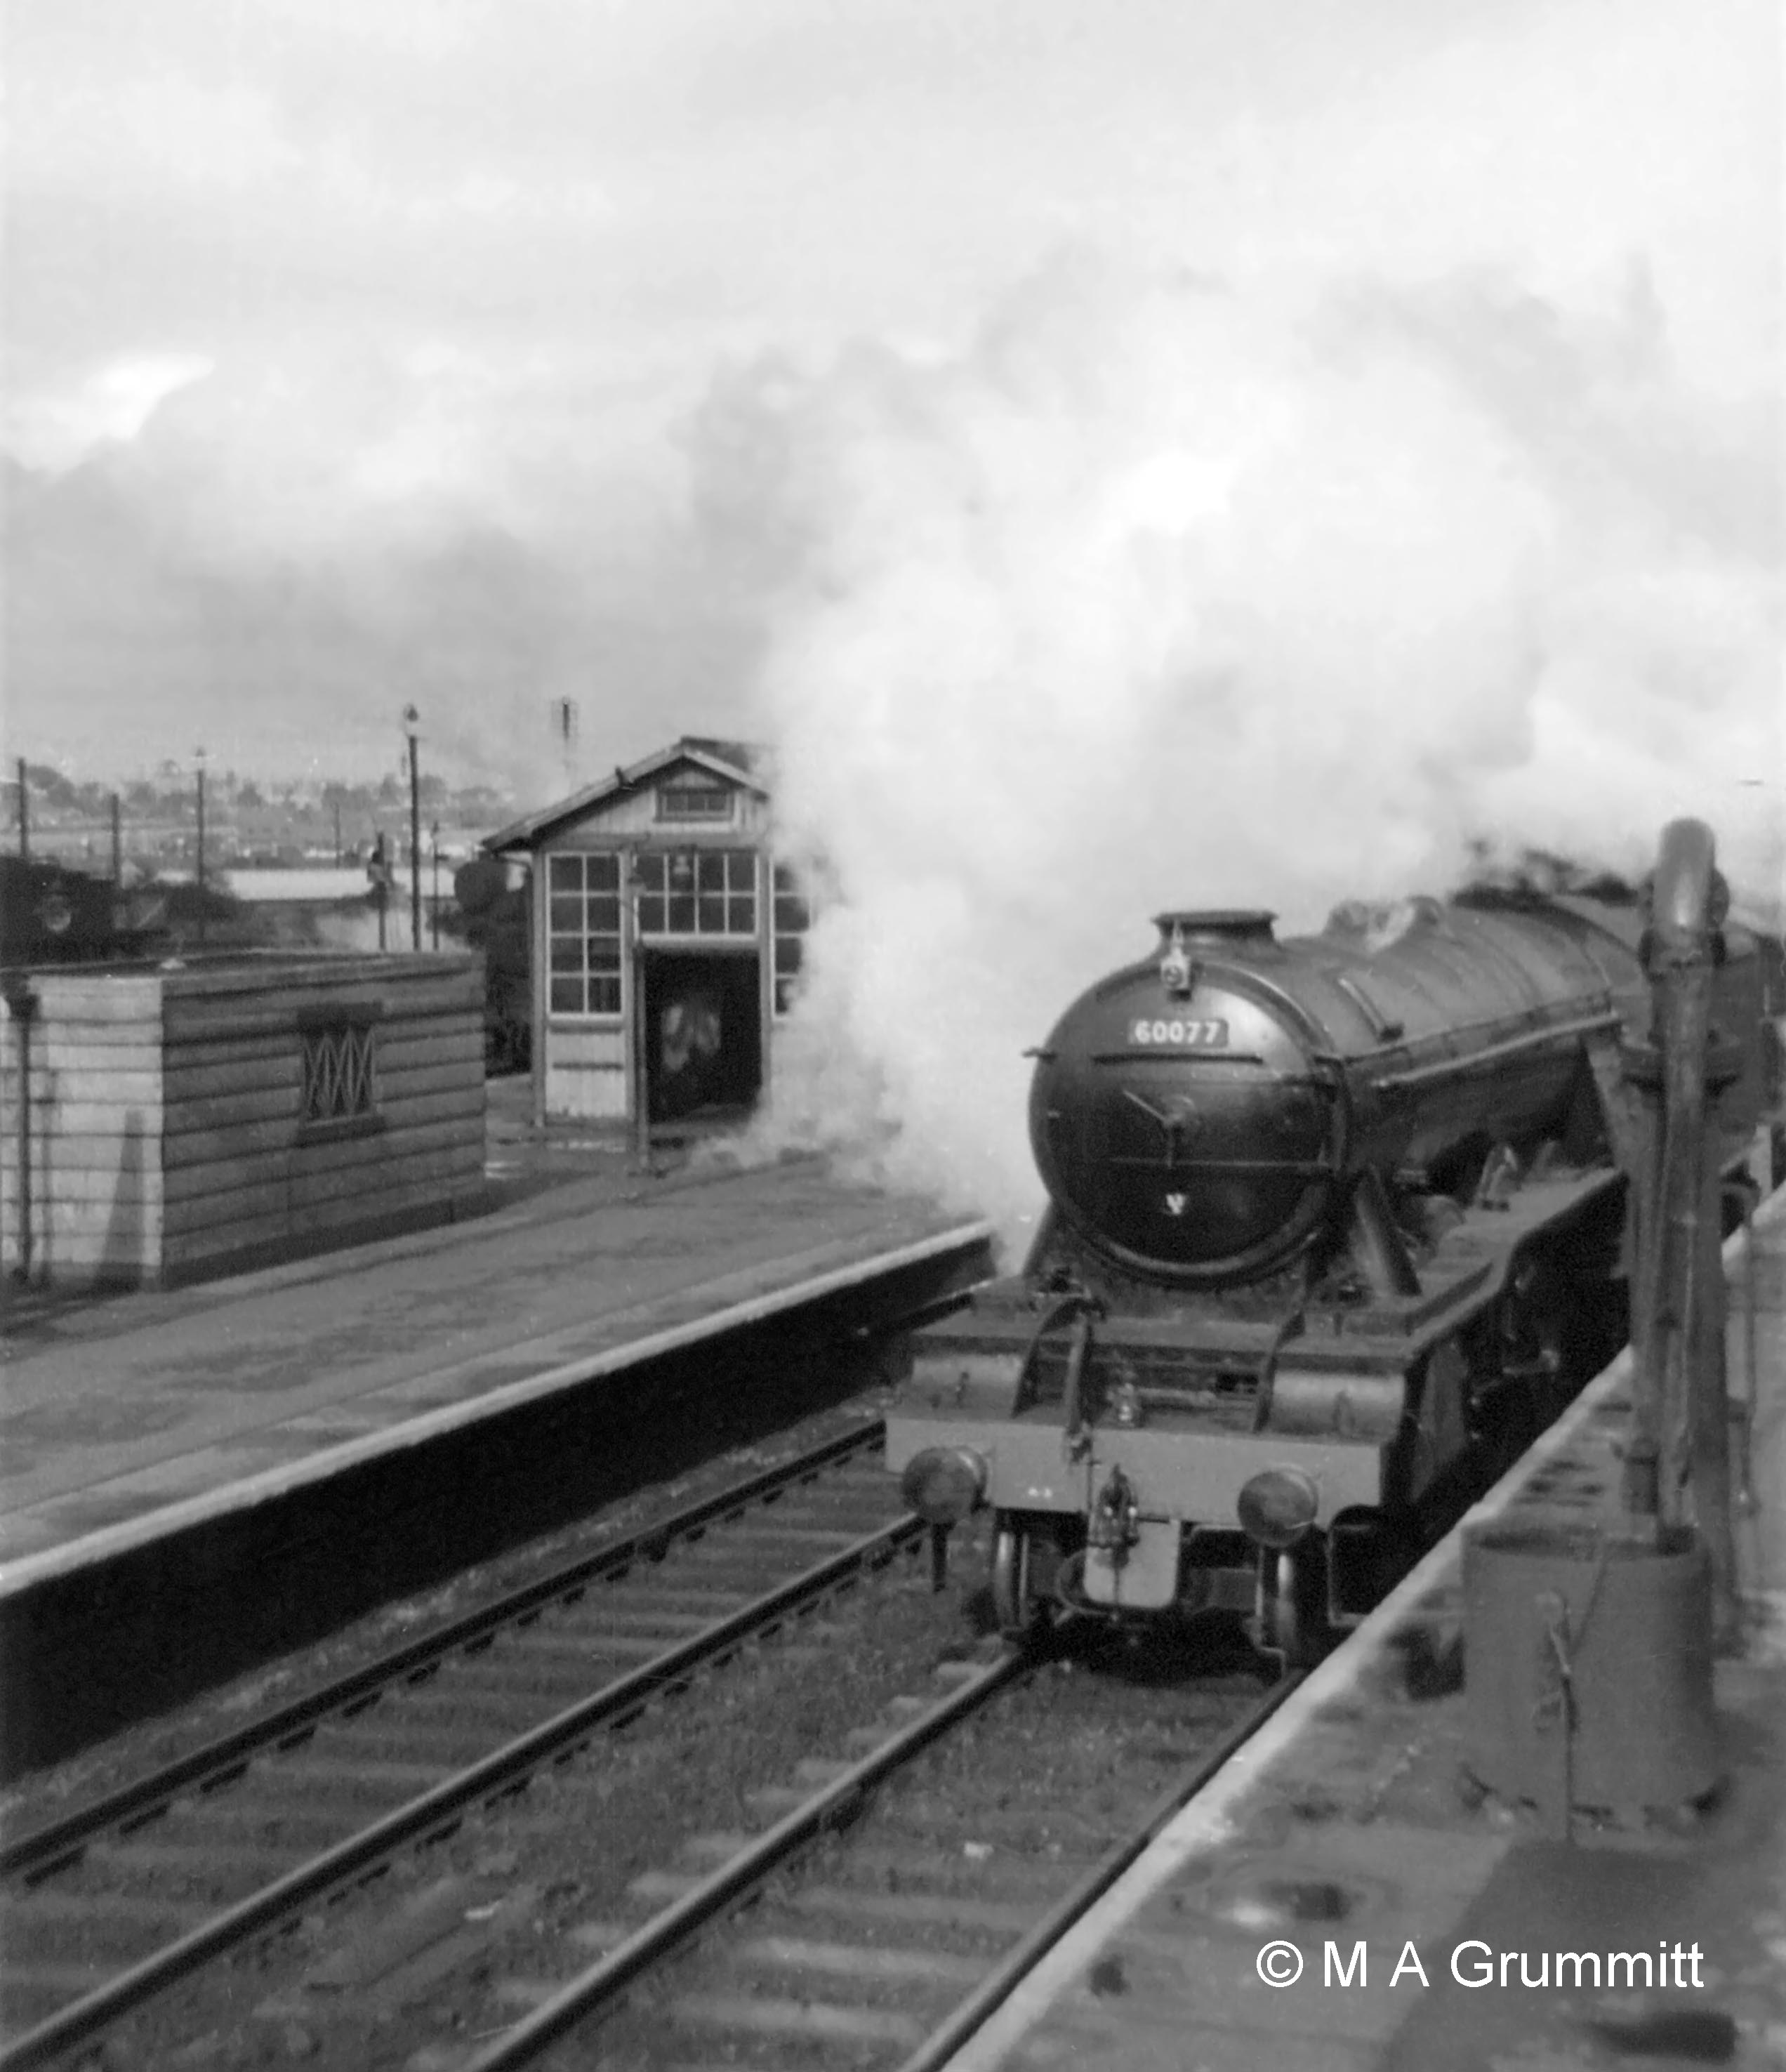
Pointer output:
96, 1126
586, 1070
243, 1176
634, 813
167, 1133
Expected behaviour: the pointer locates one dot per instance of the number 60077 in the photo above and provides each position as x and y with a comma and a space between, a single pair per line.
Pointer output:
1203, 1035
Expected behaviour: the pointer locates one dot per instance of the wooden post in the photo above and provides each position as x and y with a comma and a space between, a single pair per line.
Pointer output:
21, 1004
638, 1029
415, 846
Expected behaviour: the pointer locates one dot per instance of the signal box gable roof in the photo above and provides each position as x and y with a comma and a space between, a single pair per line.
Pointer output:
731, 761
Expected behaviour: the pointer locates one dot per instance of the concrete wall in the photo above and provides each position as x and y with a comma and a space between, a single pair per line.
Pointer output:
170, 1138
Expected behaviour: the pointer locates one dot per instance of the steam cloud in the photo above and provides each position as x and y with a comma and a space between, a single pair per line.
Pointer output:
1164, 593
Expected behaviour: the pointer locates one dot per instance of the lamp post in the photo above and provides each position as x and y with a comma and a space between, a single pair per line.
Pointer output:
411, 720
434, 906
199, 757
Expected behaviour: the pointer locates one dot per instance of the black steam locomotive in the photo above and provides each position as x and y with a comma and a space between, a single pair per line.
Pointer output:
51, 915
1336, 1226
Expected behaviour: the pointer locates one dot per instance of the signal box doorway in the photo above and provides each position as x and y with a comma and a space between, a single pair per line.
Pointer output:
703, 1047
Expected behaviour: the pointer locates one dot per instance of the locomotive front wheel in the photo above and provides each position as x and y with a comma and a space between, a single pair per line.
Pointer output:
1295, 1621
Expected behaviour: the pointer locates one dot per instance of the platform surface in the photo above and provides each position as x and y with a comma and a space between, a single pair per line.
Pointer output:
119, 1420
1349, 1821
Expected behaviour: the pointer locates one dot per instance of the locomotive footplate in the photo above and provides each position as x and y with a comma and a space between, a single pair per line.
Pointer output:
1137, 1464
1126, 1496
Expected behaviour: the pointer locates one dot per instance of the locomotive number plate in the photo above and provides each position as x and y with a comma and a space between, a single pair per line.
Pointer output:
1176, 1034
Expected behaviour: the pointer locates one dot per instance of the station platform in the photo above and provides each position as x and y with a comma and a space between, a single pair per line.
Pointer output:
1408, 1919
128, 1420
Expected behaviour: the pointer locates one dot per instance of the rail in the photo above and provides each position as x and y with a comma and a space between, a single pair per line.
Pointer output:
37, 1855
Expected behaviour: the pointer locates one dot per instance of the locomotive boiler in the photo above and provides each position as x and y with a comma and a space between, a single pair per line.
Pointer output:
1335, 1226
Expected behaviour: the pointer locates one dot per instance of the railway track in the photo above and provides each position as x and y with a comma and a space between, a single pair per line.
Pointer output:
896, 1941
105, 1908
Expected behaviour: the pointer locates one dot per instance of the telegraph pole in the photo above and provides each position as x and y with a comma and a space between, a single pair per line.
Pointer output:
199, 753
411, 720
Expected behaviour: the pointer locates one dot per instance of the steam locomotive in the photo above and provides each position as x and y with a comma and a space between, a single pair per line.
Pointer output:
1336, 1226
49, 915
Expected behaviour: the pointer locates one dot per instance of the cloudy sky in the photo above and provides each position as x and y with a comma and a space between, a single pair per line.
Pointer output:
360, 353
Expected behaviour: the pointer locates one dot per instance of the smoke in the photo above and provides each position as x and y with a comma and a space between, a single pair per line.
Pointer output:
1163, 593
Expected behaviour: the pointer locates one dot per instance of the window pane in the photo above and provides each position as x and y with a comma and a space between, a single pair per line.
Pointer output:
567, 953
604, 953
567, 915
741, 912
711, 914
740, 871
790, 955
604, 996
651, 914
652, 870
603, 873
784, 989
681, 914
710, 869
791, 915
694, 802
604, 916
566, 996
566, 873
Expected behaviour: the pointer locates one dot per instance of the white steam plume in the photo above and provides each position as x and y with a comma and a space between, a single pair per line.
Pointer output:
1165, 595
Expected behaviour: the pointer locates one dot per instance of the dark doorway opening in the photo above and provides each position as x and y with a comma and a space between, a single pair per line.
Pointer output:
703, 1044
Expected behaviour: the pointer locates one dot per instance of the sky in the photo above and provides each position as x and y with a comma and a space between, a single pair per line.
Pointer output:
357, 355
1115, 455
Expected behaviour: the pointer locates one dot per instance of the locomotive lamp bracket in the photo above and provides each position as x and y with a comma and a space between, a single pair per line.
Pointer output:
1177, 973
1115, 1522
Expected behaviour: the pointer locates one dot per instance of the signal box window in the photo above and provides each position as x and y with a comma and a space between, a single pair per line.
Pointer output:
698, 892
694, 802
583, 934
793, 918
